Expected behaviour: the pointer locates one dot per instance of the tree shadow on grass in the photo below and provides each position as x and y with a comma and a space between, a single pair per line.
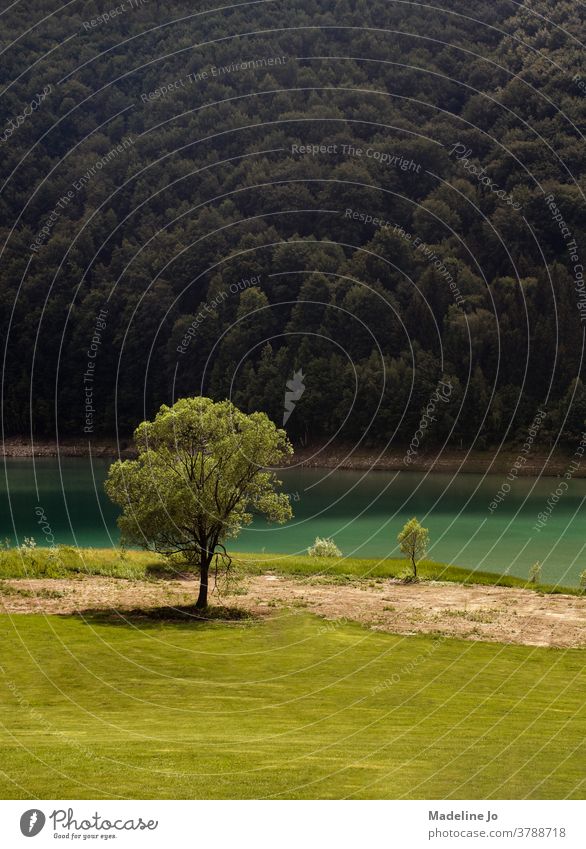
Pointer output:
169, 573
180, 615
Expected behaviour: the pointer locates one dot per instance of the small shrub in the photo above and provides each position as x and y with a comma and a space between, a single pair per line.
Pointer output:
583, 580
51, 566
408, 578
325, 547
27, 551
535, 573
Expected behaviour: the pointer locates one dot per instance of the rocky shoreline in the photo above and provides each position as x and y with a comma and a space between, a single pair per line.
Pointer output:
448, 461
21, 447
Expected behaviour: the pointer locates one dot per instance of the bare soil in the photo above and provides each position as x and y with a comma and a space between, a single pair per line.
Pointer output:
498, 614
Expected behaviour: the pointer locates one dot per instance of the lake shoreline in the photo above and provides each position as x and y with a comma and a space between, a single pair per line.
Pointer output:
347, 457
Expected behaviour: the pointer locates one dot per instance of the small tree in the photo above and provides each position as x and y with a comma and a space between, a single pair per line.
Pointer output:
414, 541
201, 471
535, 573
583, 580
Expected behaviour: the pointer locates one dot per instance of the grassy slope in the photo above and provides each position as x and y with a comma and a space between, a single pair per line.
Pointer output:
70, 562
288, 707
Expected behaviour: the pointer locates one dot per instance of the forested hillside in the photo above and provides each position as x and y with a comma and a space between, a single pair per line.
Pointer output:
380, 195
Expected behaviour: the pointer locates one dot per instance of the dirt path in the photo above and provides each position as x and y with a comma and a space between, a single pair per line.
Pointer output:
497, 614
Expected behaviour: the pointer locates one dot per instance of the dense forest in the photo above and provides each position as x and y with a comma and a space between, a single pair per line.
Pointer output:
348, 204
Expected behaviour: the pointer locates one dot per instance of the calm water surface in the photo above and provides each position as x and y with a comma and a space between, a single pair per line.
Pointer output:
363, 512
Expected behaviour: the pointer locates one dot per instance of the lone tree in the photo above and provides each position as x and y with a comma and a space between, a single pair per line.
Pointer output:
200, 474
413, 541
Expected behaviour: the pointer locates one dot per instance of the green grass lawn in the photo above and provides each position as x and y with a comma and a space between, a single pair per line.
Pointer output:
288, 707
68, 562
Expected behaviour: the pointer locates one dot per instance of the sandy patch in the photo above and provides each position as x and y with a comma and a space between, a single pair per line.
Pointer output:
498, 614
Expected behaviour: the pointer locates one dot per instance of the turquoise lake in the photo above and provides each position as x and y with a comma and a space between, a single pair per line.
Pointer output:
362, 511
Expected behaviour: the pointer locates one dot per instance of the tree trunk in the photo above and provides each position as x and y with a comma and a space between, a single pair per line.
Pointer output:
204, 574
414, 566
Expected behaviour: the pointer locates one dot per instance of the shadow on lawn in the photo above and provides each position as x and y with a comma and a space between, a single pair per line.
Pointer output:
168, 573
184, 615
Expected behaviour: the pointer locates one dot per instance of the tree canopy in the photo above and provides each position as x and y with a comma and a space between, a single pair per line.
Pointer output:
202, 471
413, 541
181, 151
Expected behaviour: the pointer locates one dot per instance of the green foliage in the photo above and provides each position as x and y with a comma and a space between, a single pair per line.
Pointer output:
69, 562
324, 547
201, 472
169, 210
535, 573
413, 541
